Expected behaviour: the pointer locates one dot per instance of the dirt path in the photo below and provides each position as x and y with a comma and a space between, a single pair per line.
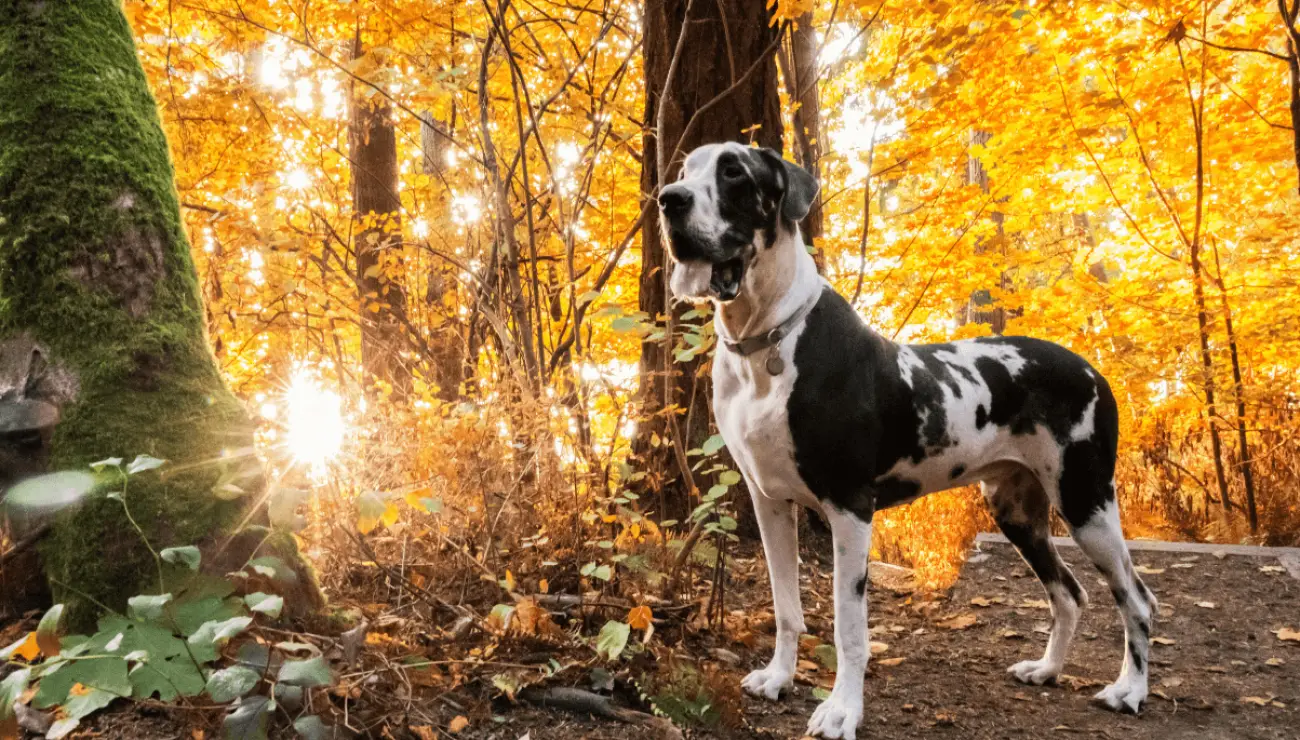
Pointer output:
1218, 614
952, 683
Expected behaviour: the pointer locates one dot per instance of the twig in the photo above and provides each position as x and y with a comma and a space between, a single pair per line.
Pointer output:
24, 543
585, 702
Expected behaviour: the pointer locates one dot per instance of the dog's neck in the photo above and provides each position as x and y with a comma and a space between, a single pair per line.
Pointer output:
780, 280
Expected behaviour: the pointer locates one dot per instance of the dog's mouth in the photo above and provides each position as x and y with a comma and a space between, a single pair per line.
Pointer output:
725, 278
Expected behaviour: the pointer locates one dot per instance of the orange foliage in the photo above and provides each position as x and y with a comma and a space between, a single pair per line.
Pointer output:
1035, 160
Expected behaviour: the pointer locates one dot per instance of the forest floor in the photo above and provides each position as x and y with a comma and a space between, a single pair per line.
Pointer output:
1220, 666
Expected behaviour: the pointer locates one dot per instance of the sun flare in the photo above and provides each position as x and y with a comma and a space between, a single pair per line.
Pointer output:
314, 423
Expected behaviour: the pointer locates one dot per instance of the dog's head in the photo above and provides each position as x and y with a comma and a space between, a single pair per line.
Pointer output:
730, 204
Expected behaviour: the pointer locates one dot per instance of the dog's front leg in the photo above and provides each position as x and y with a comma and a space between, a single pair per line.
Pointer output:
776, 523
838, 716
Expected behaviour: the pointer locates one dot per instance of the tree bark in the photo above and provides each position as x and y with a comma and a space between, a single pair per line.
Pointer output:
1289, 13
376, 208
101, 303
978, 308
724, 38
799, 67
1239, 391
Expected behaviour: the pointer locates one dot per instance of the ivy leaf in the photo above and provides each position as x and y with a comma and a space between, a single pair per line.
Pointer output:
49, 630
159, 662
188, 556
273, 568
210, 636
108, 462
305, 673
370, 510
147, 608
204, 604
11, 688
729, 478
144, 463
310, 727
713, 444
107, 673
248, 720
282, 510
229, 684
268, 604
612, 639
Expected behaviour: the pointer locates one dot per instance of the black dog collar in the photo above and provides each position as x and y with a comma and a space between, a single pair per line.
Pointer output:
770, 339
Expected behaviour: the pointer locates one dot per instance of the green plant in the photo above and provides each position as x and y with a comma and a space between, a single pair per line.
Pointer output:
168, 645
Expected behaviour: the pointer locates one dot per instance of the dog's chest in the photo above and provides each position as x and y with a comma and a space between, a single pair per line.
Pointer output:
751, 406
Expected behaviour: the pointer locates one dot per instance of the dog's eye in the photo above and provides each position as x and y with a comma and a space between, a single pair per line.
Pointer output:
732, 171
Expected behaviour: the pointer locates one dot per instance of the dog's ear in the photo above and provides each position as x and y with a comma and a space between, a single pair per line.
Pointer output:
799, 185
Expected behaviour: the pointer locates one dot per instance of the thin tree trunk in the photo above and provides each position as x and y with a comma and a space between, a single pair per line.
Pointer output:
977, 310
1198, 277
799, 67
376, 207
505, 248
1289, 14
724, 39
1239, 391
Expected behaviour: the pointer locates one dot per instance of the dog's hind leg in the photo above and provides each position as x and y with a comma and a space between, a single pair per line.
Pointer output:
839, 714
1023, 512
1101, 538
776, 523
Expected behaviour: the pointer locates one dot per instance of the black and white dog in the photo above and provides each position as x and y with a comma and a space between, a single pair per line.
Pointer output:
821, 411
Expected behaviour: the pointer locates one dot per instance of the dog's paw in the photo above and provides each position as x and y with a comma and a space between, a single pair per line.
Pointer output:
1035, 672
1123, 696
836, 717
768, 683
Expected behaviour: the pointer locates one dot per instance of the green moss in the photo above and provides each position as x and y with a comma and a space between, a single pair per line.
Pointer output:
95, 265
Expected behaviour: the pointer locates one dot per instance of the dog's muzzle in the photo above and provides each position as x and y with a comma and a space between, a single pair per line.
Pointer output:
702, 268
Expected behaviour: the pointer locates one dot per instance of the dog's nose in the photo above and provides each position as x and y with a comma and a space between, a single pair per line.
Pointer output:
674, 201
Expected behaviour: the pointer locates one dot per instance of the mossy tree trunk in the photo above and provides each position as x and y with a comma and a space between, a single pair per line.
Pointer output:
96, 272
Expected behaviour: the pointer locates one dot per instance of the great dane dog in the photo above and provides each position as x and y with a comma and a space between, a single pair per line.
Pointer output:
820, 411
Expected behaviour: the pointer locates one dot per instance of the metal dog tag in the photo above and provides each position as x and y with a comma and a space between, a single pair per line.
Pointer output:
775, 365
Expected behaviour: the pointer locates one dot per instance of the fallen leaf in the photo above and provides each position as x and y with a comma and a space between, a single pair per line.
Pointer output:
1287, 634
458, 724
959, 622
1147, 570
1278, 704
1220, 554
879, 647
1183, 565
1258, 701
1207, 605
639, 617
424, 732
1035, 604
1271, 569
983, 601
1172, 682
890, 661
1011, 635
1274, 662
1216, 669
1163, 641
